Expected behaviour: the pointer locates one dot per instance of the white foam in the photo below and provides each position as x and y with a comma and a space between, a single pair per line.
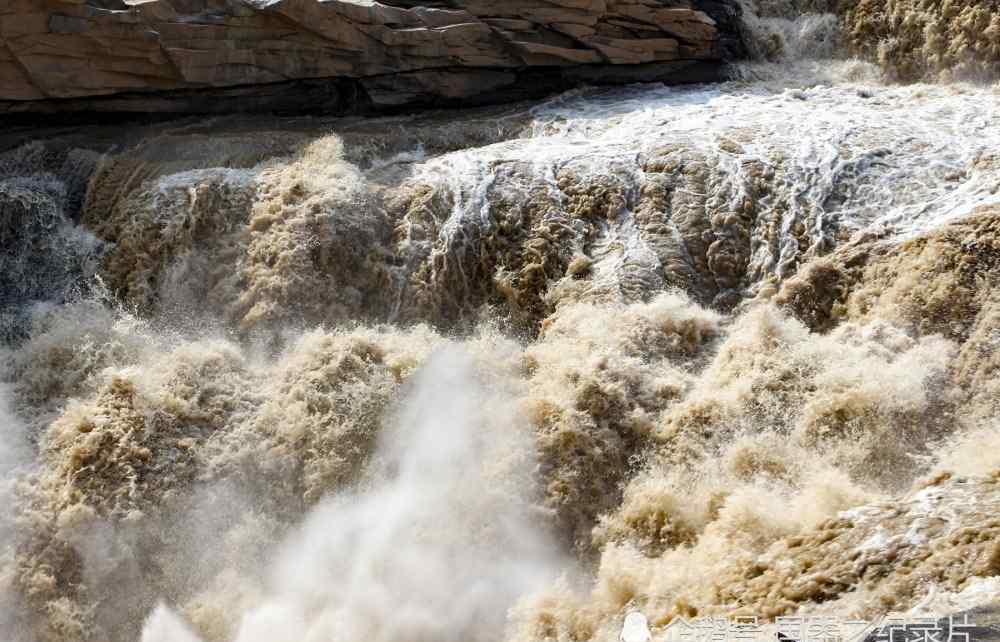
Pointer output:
848, 157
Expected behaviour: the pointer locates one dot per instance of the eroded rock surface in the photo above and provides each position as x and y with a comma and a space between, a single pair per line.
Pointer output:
223, 55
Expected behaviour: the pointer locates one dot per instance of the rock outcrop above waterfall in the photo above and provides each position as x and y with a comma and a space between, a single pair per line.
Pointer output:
343, 55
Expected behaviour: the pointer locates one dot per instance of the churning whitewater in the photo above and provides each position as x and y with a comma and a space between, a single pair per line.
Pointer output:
512, 373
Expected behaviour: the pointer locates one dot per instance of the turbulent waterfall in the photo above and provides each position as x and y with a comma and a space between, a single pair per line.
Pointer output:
510, 373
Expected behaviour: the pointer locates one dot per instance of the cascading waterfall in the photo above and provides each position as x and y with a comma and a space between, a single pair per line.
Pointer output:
514, 372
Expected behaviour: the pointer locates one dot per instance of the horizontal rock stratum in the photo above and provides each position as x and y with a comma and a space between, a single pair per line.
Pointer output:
343, 55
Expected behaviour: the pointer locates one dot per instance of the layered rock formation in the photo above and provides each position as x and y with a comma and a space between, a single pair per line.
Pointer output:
340, 55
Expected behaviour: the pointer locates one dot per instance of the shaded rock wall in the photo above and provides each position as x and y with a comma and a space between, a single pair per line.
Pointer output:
341, 55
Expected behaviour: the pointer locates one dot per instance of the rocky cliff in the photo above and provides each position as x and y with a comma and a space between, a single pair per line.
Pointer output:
343, 55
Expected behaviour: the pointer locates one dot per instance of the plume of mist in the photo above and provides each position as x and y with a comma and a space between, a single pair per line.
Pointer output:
437, 545
14, 453
164, 625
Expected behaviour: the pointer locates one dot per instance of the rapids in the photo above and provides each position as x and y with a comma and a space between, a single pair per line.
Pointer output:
515, 372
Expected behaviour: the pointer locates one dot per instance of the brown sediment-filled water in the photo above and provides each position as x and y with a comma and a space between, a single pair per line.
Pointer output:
511, 373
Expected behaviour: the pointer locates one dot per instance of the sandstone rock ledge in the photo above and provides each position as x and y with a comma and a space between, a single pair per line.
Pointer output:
344, 55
